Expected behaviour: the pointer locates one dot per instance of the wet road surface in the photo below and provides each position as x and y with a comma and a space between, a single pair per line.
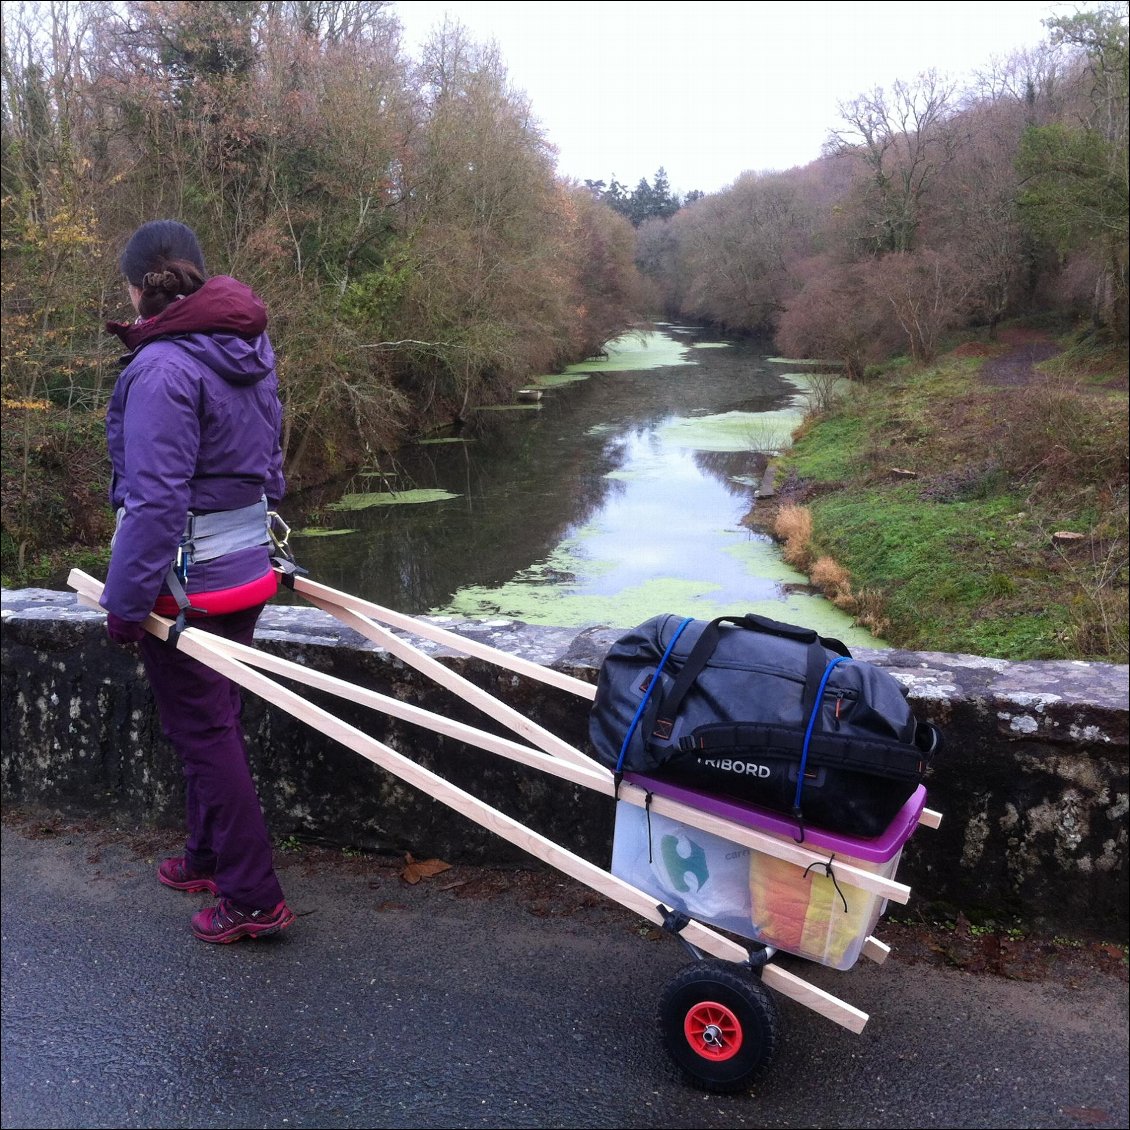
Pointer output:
476, 998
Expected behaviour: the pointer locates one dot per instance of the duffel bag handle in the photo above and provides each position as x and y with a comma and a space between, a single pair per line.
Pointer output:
787, 631
816, 660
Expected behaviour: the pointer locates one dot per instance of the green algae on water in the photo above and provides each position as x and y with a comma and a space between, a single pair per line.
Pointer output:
389, 498
553, 380
631, 352
733, 431
625, 354
806, 361
546, 594
554, 606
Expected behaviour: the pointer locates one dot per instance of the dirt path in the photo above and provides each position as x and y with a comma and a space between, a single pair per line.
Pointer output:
1016, 364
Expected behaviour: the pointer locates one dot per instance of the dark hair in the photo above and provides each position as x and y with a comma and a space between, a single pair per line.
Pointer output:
163, 258
166, 284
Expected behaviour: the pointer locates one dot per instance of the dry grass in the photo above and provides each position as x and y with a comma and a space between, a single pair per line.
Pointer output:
1059, 428
833, 580
793, 527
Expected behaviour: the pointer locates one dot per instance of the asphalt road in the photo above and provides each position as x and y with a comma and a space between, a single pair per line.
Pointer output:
476, 998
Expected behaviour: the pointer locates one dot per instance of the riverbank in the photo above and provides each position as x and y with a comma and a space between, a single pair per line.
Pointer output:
976, 505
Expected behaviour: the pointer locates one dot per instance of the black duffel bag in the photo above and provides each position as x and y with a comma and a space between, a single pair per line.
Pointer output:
771, 713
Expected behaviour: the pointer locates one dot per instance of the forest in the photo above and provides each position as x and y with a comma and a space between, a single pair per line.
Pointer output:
931, 208
404, 220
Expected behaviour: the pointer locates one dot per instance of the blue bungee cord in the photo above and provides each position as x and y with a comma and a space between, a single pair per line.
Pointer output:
647, 695
808, 734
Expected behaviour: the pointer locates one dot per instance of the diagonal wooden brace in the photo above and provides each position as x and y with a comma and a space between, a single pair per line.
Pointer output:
332, 600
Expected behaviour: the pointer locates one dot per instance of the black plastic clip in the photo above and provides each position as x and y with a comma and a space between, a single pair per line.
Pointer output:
181, 623
674, 921
288, 570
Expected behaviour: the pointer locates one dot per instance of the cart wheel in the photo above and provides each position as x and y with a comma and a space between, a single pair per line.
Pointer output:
720, 1026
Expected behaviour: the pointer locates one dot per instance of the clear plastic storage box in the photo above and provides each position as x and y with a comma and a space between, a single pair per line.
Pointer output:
805, 911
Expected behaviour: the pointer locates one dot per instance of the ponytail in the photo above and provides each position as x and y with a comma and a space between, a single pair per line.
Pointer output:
167, 282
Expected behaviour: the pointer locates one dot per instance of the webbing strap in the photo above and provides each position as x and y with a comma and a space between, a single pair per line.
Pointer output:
173, 578
815, 660
813, 717
647, 695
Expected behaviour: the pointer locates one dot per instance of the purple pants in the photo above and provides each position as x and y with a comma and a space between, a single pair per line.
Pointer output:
200, 714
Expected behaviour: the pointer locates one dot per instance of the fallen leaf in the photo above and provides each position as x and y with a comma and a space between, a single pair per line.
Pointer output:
415, 870
1085, 1114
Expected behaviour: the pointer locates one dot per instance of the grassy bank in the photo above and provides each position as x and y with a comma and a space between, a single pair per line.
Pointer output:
977, 505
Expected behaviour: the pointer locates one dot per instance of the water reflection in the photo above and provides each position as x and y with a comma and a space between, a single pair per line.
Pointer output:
618, 496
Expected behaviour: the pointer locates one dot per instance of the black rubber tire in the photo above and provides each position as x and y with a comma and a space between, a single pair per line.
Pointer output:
720, 1025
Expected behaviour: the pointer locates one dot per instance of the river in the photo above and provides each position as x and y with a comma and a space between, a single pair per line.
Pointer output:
616, 495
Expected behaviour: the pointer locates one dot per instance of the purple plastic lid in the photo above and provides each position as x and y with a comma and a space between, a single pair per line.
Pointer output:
876, 850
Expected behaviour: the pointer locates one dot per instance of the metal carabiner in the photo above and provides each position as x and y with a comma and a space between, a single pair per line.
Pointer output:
282, 544
180, 565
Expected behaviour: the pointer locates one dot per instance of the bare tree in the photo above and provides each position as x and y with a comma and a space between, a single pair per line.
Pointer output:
927, 292
836, 316
904, 138
736, 248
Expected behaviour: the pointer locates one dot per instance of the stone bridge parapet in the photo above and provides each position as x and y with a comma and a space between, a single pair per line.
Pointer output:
1032, 783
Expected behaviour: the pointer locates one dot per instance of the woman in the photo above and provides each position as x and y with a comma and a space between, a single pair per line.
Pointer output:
193, 430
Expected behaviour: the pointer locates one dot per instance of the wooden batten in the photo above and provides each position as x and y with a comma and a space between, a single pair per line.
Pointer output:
330, 600
569, 764
349, 610
875, 950
464, 688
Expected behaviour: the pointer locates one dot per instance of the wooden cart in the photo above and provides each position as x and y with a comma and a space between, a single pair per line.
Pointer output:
717, 1016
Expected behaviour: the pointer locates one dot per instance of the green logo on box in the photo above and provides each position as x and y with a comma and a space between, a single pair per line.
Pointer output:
684, 859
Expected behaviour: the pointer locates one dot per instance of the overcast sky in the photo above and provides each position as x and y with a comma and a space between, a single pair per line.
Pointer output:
709, 90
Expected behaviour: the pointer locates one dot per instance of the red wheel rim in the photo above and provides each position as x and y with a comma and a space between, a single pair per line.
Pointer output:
713, 1031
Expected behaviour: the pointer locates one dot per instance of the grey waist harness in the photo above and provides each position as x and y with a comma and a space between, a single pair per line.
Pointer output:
208, 536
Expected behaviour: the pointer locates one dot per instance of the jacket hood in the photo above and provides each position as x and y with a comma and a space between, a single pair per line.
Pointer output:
223, 305
236, 359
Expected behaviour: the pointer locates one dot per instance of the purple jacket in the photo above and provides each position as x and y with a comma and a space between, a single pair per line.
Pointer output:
194, 423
